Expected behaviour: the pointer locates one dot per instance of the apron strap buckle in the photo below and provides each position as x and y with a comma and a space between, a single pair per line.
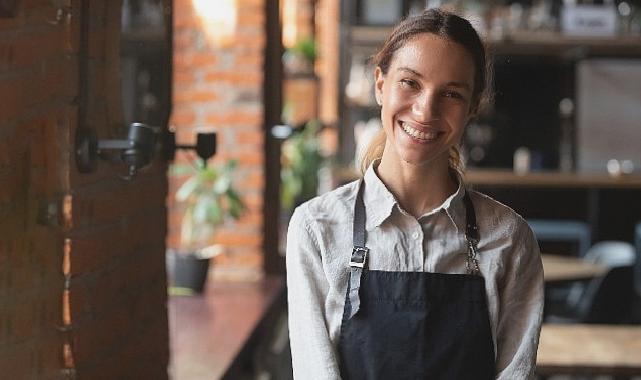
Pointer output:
472, 262
359, 257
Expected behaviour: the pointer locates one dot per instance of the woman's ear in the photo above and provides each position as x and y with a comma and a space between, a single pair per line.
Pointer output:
379, 79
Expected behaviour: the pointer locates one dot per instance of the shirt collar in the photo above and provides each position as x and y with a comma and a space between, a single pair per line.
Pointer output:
454, 206
379, 201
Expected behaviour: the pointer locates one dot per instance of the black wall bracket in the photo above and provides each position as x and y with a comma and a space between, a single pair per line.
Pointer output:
136, 152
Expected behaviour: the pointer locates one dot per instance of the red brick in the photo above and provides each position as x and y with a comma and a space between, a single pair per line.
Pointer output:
255, 181
195, 96
239, 238
254, 59
183, 77
242, 129
251, 158
234, 119
254, 79
240, 260
252, 138
249, 18
244, 4
182, 117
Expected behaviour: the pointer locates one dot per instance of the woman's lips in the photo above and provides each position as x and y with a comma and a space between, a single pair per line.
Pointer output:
423, 136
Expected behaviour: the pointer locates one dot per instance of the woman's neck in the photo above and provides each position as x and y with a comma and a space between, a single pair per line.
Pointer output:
418, 188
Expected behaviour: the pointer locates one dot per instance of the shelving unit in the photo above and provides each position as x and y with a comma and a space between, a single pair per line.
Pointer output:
527, 43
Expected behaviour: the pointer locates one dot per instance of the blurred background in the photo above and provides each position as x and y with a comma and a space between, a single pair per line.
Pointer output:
153, 151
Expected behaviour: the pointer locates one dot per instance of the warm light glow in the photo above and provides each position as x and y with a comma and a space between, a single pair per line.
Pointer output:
288, 15
218, 19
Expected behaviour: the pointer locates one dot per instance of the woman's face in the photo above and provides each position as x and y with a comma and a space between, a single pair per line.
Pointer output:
425, 99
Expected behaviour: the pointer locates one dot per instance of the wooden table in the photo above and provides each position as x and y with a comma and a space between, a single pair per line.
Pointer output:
589, 349
207, 332
558, 269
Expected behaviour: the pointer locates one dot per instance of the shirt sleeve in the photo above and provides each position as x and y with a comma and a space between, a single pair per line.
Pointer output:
521, 308
313, 356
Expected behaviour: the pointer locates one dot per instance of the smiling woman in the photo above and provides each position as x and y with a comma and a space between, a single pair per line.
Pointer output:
406, 273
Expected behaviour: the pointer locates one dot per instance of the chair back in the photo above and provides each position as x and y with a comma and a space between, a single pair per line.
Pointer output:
608, 299
611, 254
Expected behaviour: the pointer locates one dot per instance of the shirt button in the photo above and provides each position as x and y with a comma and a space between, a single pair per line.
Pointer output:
415, 235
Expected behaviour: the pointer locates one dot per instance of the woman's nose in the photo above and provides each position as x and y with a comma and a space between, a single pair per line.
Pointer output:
426, 107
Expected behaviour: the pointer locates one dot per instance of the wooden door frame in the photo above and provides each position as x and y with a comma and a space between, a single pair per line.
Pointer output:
273, 104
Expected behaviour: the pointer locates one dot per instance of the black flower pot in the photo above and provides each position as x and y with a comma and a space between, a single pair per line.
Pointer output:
189, 273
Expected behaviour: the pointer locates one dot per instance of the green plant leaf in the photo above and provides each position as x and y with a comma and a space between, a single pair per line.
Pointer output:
209, 197
187, 189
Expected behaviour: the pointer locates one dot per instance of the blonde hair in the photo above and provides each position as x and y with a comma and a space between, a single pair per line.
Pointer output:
376, 147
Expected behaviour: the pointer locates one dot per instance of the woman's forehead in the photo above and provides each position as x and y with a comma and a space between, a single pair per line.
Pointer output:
428, 54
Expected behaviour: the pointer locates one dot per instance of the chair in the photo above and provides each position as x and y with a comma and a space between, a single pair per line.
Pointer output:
607, 299
608, 253
563, 230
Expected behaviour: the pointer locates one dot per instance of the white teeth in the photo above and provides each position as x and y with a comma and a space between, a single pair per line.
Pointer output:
418, 134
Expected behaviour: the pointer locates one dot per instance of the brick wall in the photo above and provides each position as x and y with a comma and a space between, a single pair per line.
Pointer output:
328, 63
218, 85
297, 20
82, 279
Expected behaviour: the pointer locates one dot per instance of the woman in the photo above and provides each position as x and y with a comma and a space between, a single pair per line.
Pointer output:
406, 274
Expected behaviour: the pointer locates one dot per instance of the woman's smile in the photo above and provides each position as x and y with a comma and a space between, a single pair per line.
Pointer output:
422, 135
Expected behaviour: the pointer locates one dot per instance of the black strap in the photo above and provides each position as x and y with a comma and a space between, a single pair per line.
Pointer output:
359, 217
359, 252
471, 236
471, 228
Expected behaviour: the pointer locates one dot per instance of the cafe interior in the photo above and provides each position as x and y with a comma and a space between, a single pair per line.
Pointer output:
560, 143
188, 131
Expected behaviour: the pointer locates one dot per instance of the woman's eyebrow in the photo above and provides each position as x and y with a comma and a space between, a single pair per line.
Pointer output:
411, 71
459, 85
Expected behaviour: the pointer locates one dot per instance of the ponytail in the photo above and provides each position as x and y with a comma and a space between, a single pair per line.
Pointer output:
374, 150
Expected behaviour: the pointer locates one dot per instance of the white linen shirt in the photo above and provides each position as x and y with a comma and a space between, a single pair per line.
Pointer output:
319, 247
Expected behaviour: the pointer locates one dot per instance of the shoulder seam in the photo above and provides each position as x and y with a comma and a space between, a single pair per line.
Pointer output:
308, 221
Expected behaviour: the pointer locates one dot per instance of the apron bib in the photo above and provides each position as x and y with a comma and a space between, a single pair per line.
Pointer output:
415, 325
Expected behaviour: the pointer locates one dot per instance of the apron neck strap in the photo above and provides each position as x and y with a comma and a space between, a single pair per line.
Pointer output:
360, 251
359, 217
471, 228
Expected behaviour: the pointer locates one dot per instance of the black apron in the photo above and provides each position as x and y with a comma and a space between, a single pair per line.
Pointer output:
415, 325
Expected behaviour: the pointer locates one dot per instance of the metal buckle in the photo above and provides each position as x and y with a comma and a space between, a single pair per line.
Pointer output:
359, 253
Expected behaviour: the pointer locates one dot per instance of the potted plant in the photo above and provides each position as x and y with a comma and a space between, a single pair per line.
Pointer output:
210, 200
299, 59
301, 160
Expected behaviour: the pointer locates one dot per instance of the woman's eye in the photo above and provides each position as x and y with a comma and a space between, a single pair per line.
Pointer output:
408, 83
453, 94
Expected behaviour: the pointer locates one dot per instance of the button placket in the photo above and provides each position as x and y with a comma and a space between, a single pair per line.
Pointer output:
417, 236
